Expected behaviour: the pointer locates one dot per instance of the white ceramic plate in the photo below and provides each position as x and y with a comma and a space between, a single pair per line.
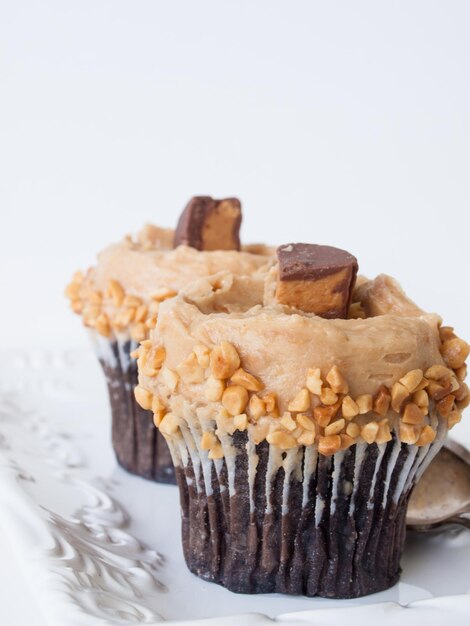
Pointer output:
100, 546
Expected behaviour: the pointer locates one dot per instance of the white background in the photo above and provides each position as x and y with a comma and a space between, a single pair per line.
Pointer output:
344, 123
335, 122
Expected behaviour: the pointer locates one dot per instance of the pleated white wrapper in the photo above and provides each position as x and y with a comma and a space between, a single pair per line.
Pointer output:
387, 471
138, 445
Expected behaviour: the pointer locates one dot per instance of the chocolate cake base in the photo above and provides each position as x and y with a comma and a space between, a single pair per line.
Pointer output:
138, 445
335, 529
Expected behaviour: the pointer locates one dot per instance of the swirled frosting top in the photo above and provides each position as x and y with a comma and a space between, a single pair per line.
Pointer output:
151, 262
277, 343
122, 292
296, 378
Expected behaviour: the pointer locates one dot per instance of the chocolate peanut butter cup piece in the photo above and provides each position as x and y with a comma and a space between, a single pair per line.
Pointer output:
208, 224
316, 279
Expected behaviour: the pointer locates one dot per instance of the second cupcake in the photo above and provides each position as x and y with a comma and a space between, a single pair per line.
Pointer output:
119, 298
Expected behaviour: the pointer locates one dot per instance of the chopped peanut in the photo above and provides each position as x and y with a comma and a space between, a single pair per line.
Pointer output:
214, 389
90, 313
428, 434
463, 399
169, 424
329, 445
412, 414
364, 403
256, 407
324, 414
328, 396
156, 356
157, 418
151, 322
454, 352
463, 404
250, 382
140, 313
170, 378
409, 433
307, 438
384, 433
158, 408
438, 372
240, 421
306, 422
337, 381
399, 394
462, 392
421, 399
72, 291
382, 401
446, 405
453, 418
446, 332
147, 370
138, 331
346, 441
77, 306
353, 430
102, 325
314, 381
224, 360
78, 277
116, 292
208, 440
281, 439
162, 294
461, 373
95, 297
235, 399
369, 432
349, 408
135, 353
270, 401
422, 385
216, 452
438, 390
287, 421
301, 402
124, 318
130, 300
334, 428
143, 397
411, 380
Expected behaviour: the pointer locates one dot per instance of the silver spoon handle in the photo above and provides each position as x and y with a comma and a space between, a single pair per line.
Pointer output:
463, 520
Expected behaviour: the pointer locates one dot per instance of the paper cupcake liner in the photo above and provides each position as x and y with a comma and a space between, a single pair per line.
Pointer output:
261, 520
138, 445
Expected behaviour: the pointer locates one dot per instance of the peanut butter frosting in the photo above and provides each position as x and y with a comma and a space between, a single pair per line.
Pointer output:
296, 378
123, 291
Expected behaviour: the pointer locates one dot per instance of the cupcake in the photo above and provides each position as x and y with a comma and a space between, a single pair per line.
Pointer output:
118, 300
298, 425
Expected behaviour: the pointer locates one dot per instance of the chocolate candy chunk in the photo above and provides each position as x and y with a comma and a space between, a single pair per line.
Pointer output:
316, 279
208, 224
